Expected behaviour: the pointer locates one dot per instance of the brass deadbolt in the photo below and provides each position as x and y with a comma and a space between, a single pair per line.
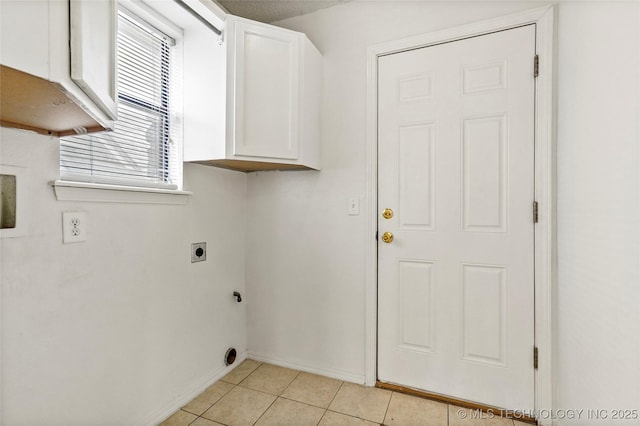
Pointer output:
387, 237
387, 213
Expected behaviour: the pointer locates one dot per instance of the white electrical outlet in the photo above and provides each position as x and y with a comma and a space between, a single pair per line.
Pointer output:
74, 227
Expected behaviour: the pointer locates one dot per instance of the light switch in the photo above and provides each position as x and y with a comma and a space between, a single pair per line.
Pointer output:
354, 206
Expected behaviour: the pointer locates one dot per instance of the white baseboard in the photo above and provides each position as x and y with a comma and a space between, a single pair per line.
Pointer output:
209, 379
347, 376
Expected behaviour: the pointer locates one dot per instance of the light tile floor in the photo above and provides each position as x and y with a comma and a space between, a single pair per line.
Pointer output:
261, 394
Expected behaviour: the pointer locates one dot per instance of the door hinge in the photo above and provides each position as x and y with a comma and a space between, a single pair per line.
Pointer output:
536, 66
535, 357
535, 212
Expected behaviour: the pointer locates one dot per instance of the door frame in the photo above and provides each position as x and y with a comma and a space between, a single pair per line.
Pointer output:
545, 185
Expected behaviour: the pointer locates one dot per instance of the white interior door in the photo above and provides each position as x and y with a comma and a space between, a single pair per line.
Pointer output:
456, 167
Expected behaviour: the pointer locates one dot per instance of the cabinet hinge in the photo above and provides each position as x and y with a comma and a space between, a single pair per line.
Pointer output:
536, 66
376, 235
535, 212
535, 357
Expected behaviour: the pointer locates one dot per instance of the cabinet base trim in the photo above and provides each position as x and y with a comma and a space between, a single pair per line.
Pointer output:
32, 103
251, 166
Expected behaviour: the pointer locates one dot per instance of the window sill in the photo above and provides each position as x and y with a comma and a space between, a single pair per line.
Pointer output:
102, 193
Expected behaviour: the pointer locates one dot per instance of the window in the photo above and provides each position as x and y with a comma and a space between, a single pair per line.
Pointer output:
144, 148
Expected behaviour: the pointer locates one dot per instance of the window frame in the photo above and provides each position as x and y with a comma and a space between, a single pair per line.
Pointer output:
74, 187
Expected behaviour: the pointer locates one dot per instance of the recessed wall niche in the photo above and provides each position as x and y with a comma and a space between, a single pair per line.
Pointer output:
7, 201
13, 201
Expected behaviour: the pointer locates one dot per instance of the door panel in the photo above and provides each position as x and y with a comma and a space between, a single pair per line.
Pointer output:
416, 319
484, 314
484, 165
456, 158
416, 168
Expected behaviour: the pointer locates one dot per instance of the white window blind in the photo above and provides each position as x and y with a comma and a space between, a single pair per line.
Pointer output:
143, 148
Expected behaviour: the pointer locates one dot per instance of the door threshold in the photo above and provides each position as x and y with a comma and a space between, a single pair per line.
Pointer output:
500, 412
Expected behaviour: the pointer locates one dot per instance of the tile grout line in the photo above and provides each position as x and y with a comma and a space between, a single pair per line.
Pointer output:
245, 377
265, 411
321, 417
307, 403
216, 401
331, 402
351, 415
387, 410
258, 390
194, 420
293, 380
277, 396
448, 409
336, 394
302, 402
208, 420
233, 386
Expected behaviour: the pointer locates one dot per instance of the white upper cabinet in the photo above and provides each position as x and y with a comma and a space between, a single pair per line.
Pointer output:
93, 51
57, 63
270, 114
267, 91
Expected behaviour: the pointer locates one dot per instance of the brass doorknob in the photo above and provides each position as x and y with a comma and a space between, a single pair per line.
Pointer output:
387, 237
387, 213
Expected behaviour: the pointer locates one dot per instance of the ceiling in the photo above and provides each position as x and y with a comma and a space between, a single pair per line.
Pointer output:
275, 10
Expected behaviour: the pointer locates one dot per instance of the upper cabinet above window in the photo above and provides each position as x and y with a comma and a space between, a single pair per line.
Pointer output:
93, 30
266, 115
250, 92
57, 65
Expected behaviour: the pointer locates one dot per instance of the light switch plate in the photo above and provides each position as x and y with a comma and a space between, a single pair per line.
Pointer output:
74, 227
354, 206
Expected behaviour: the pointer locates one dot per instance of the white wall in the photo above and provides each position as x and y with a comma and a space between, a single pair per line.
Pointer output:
306, 256
119, 329
598, 206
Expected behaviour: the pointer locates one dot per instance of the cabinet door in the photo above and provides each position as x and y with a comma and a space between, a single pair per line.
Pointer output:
93, 51
267, 74
21, 44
